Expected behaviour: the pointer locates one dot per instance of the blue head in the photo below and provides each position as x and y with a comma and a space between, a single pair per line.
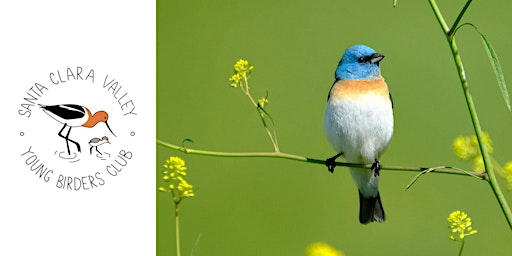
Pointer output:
359, 62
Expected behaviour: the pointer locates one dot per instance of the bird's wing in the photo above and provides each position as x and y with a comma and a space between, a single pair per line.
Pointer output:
329, 95
66, 111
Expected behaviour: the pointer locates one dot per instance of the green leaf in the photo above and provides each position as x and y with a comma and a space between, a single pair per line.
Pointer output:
495, 63
185, 141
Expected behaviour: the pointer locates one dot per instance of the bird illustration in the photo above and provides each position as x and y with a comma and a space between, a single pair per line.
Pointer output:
358, 123
72, 115
95, 142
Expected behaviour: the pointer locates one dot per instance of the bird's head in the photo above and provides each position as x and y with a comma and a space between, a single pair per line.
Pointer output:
359, 62
102, 116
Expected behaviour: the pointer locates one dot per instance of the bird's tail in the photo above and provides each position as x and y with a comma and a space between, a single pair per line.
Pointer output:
370, 209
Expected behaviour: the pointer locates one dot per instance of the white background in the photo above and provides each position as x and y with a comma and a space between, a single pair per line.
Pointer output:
39, 37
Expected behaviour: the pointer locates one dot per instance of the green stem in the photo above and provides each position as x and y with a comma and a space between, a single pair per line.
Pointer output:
456, 23
442, 169
245, 90
439, 16
461, 247
177, 217
493, 182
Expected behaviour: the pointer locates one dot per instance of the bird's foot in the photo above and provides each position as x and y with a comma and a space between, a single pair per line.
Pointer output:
331, 162
376, 168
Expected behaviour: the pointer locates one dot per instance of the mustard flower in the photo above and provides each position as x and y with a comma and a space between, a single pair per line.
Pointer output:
467, 148
174, 173
236, 80
478, 164
242, 69
322, 249
262, 102
463, 148
185, 188
508, 174
243, 66
176, 165
460, 226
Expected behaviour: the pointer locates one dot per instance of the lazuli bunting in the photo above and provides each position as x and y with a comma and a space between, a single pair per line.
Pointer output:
358, 123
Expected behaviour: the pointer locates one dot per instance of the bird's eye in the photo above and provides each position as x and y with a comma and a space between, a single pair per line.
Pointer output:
360, 60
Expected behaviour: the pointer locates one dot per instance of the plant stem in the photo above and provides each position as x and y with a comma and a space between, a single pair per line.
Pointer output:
439, 16
456, 23
442, 169
461, 247
272, 136
493, 182
177, 217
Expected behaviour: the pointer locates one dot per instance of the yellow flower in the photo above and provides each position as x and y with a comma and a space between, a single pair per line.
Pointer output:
242, 70
322, 249
235, 80
185, 188
467, 148
508, 174
176, 165
460, 224
243, 66
174, 173
262, 102
478, 164
463, 148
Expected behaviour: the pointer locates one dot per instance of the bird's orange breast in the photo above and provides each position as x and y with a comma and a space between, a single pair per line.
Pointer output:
353, 88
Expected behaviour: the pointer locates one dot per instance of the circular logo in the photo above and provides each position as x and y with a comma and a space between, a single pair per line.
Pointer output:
75, 125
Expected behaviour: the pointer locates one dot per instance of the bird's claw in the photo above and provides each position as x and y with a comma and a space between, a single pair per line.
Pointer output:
376, 168
331, 162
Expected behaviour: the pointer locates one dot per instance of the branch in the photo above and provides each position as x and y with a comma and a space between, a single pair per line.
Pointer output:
423, 170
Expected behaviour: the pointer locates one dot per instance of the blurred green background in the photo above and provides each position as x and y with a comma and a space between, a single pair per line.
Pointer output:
278, 207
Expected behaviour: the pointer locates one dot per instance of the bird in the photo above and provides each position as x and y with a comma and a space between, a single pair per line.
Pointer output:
72, 115
95, 142
358, 123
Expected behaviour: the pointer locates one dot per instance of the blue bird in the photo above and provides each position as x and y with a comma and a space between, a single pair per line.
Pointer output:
358, 123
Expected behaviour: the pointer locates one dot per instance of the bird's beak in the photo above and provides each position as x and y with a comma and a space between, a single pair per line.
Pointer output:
110, 129
376, 58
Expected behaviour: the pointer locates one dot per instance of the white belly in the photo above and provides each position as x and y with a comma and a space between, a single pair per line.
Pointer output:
361, 129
